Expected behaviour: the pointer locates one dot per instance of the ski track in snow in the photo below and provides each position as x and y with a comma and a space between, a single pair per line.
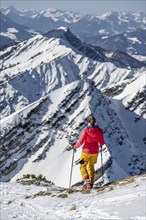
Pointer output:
125, 202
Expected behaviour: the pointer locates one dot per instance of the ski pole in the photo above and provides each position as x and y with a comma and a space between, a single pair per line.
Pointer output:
71, 169
102, 165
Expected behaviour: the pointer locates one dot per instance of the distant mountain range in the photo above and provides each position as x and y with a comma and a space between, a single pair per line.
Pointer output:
111, 31
111, 22
133, 42
12, 32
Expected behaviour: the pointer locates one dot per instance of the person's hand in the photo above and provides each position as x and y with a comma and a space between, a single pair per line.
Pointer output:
69, 148
101, 149
75, 150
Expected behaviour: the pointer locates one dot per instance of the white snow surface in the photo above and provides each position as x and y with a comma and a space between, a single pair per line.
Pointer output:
117, 202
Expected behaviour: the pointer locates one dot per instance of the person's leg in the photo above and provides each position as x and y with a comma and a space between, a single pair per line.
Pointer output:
83, 167
90, 170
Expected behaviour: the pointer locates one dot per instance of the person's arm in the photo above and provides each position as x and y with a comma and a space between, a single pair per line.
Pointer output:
81, 140
101, 139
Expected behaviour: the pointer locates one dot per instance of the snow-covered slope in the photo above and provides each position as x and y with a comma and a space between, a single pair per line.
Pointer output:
52, 60
121, 200
50, 83
59, 119
47, 126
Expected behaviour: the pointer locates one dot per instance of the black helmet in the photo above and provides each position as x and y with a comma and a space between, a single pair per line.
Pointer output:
91, 119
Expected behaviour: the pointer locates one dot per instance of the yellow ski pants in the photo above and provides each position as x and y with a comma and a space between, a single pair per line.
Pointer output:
87, 168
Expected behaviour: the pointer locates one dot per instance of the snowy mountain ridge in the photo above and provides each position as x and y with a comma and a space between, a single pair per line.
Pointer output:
112, 31
46, 98
41, 140
55, 59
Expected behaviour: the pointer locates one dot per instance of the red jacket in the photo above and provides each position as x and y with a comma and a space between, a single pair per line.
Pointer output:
91, 138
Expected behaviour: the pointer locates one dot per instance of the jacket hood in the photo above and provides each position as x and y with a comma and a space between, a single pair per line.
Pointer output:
92, 129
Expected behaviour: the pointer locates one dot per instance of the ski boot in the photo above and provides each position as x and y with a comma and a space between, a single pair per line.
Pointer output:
86, 184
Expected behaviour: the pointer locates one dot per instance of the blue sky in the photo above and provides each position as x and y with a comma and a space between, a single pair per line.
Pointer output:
89, 6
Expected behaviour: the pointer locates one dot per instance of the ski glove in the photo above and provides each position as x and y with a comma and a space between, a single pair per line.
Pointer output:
69, 148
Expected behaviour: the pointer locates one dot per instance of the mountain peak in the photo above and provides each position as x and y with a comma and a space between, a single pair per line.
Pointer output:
108, 15
65, 29
11, 8
57, 33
